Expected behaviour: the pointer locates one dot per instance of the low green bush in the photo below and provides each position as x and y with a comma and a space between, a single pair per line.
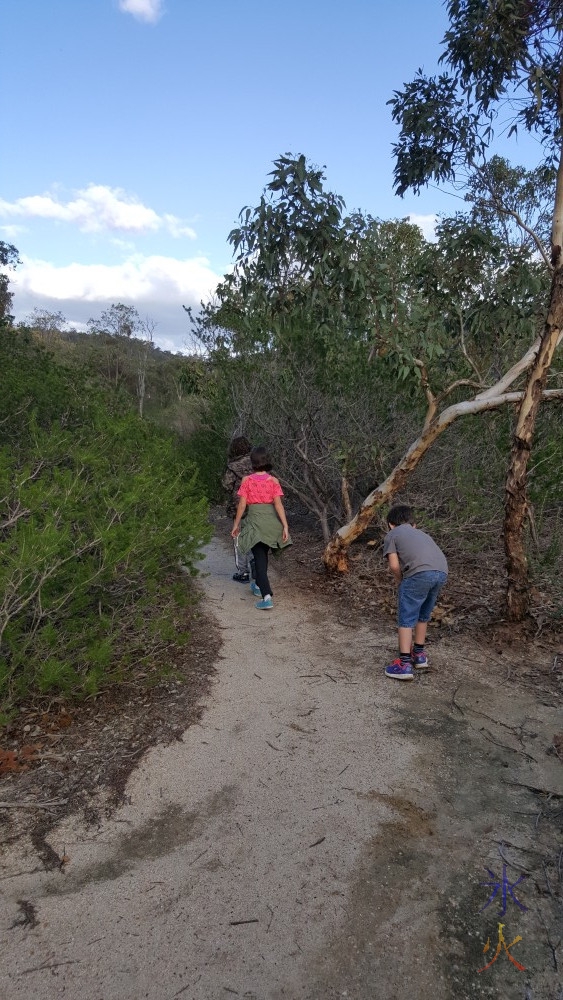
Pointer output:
98, 509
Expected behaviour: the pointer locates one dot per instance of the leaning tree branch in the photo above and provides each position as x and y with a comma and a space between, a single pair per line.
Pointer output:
455, 385
521, 366
336, 553
498, 206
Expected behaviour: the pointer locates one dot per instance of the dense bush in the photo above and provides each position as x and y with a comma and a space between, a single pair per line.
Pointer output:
97, 508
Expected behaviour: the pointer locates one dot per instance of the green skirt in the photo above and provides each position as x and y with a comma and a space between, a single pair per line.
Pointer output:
261, 524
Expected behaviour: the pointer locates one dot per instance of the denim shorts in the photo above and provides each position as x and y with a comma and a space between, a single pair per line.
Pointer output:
418, 595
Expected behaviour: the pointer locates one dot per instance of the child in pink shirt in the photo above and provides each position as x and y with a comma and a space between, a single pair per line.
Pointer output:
265, 526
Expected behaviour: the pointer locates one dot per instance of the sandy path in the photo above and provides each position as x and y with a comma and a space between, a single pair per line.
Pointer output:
288, 847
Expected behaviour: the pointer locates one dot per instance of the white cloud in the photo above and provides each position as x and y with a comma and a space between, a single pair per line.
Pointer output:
156, 286
127, 247
12, 232
427, 223
177, 228
144, 10
97, 208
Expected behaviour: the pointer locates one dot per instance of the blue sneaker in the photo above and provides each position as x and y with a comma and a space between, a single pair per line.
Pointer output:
265, 604
255, 589
419, 660
399, 671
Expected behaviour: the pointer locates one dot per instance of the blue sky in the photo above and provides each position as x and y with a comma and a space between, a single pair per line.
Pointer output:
136, 130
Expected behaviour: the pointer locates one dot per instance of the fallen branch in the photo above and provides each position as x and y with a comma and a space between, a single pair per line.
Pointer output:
533, 788
49, 965
503, 746
552, 947
33, 805
317, 842
512, 864
183, 990
454, 703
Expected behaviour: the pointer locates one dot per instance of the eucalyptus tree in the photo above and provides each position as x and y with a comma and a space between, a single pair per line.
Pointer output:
128, 343
479, 305
294, 262
115, 326
513, 202
302, 317
46, 324
118, 321
323, 306
503, 61
9, 259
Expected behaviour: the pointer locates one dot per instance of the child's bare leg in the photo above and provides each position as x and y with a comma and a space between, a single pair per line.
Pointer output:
405, 640
420, 633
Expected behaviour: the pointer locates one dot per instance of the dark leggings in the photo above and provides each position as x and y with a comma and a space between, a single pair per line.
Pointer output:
260, 552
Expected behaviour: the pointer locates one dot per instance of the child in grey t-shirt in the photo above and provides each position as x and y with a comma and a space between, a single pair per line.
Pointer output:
421, 570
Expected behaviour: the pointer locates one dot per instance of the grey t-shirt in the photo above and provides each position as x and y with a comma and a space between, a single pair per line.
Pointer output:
417, 552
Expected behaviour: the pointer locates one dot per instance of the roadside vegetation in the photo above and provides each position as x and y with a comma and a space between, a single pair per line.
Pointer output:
99, 508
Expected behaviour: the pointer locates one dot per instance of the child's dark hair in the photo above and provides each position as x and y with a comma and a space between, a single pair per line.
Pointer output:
260, 459
401, 514
238, 447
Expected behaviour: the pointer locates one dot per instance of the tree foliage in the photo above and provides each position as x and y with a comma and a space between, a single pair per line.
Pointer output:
507, 52
504, 61
9, 259
118, 321
325, 355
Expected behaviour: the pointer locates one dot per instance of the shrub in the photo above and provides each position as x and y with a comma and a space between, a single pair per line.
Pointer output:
98, 507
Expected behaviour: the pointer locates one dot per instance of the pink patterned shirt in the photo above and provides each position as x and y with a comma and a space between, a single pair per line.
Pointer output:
260, 487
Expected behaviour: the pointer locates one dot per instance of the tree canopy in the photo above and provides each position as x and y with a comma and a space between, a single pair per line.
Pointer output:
503, 54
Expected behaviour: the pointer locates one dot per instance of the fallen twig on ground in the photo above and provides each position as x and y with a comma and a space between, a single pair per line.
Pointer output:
489, 736
33, 805
317, 842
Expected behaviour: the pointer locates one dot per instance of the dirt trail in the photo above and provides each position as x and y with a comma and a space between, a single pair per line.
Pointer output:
321, 834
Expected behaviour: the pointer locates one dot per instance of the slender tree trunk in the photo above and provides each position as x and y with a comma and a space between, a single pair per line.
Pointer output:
346, 498
515, 509
323, 518
141, 393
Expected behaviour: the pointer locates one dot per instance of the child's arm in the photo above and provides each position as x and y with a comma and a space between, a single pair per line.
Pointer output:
240, 511
278, 507
394, 566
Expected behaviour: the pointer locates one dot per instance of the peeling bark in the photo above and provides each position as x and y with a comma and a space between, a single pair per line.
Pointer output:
515, 509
